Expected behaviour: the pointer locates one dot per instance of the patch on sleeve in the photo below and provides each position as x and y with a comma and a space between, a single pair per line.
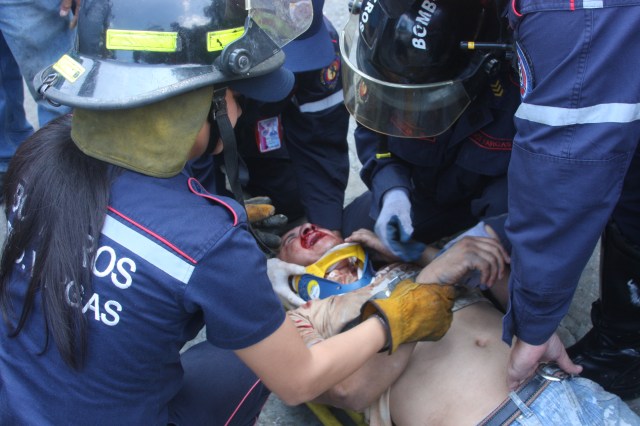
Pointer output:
490, 142
525, 72
269, 134
329, 75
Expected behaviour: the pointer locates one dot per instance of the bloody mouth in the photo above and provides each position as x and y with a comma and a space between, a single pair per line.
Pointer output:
309, 239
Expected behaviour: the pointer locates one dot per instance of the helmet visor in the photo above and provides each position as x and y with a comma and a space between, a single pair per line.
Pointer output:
401, 110
282, 20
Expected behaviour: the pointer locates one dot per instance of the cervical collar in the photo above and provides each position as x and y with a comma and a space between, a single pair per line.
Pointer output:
313, 285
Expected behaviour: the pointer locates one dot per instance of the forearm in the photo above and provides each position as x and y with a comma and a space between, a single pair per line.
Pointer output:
534, 318
500, 290
551, 243
379, 174
538, 299
428, 255
298, 374
333, 369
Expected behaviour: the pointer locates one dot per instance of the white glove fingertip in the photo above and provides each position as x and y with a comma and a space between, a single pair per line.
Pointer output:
273, 261
295, 300
296, 269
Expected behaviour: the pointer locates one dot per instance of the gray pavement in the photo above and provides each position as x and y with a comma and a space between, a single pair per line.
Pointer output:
576, 324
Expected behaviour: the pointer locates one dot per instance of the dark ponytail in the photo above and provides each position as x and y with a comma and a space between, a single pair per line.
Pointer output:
56, 204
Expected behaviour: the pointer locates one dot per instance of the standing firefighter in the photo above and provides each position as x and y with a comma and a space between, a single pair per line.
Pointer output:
574, 178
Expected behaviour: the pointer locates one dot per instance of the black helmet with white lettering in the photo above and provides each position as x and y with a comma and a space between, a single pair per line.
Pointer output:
406, 58
421, 45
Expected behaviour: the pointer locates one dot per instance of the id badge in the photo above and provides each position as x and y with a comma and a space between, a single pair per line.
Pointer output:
269, 134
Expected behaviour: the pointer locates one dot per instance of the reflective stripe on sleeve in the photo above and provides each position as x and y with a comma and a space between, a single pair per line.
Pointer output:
602, 113
148, 250
324, 103
592, 4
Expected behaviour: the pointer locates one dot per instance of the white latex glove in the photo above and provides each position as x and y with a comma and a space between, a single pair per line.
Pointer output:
394, 226
279, 273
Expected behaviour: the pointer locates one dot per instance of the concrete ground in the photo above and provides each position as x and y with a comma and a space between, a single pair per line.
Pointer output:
576, 324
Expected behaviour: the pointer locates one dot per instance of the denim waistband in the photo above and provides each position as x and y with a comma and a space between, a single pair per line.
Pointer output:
509, 410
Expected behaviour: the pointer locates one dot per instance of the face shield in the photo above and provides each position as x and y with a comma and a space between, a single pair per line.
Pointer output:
401, 110
281, 20
129, 54
270, 25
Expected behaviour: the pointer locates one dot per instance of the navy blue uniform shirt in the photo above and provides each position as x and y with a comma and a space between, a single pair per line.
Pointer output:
170, 259
296, 150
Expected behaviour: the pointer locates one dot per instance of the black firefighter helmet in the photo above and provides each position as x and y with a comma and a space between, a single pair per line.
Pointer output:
132, 53
406, 72
142, 73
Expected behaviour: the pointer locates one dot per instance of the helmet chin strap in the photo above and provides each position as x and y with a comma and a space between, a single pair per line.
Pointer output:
220, 118
221, 128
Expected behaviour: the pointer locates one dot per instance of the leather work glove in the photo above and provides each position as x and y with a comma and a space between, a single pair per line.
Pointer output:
264, 221
413, 312
259, 209
394, 226
279, 273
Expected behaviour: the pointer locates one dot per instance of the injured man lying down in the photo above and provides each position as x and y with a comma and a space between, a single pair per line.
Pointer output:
457, 380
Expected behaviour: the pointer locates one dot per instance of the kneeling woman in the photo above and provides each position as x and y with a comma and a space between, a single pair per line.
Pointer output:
116, 256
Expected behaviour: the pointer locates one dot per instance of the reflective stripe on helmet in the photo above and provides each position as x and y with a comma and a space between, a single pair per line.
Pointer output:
148, 41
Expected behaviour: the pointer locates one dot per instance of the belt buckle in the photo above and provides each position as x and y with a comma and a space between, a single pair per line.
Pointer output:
551, 372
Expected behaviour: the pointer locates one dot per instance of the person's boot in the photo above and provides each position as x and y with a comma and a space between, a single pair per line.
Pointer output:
610, 352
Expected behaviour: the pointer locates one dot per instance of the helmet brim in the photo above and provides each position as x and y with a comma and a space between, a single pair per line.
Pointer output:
83, 82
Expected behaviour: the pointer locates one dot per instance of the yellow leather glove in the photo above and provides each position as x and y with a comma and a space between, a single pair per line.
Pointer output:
413, 312
266, 224
259, 209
